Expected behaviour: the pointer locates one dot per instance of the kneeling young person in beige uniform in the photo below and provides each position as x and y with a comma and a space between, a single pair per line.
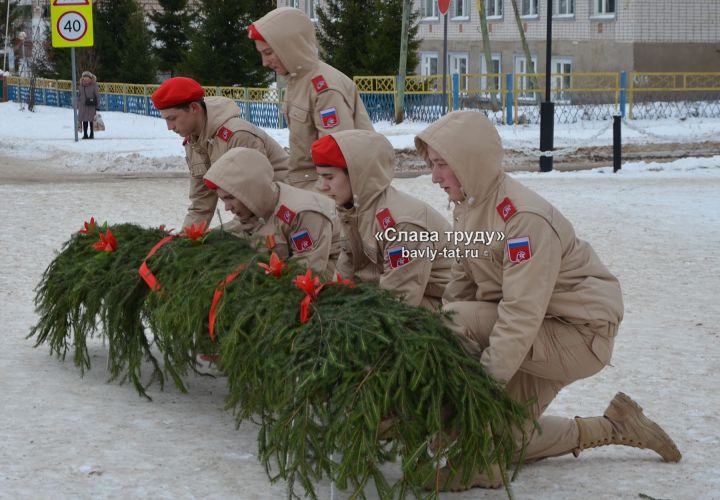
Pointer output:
356, 168
211, 126
294, 223
539, 309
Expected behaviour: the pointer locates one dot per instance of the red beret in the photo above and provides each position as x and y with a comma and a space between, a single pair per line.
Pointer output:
210, 184
327, 153
176, 92
254, 34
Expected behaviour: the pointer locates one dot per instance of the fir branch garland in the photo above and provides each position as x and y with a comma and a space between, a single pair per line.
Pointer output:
319, 389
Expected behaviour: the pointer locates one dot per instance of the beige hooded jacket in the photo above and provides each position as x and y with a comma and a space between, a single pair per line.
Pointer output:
224, 130
540, 270
303, 224
420, 280
319, 99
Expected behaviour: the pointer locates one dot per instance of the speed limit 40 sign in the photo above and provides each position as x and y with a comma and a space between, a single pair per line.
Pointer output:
71, 22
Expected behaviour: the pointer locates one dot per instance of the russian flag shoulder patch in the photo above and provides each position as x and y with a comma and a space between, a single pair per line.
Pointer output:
395, 255
302, 241
519, 249
329, 118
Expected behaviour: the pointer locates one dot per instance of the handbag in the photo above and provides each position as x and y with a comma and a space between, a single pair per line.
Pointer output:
90, 101
98, 123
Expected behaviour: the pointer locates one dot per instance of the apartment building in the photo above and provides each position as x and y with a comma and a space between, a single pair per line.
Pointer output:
588, 36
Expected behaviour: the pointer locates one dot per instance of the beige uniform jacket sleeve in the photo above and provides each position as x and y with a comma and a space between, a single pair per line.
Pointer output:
320, 229
409, 280
203, 200
332, 98
526, 291
461, 286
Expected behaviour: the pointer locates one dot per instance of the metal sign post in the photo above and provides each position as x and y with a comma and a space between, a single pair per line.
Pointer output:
72, 26
443, 6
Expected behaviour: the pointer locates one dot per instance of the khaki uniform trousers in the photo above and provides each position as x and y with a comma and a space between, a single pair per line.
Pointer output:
561, 354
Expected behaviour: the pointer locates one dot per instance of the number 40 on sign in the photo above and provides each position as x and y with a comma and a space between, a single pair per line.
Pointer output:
71, 22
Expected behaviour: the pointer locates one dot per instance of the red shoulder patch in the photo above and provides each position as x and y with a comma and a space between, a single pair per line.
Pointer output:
385, 218
285, 214
319, 83
224, 133
506, 209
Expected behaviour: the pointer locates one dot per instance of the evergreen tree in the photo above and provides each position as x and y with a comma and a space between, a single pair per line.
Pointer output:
221, 52
122, 43
362, 37
172, 27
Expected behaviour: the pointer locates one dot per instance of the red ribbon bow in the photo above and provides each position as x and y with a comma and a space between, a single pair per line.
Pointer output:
218, 295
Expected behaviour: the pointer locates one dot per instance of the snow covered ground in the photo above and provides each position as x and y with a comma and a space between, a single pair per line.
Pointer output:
656, 226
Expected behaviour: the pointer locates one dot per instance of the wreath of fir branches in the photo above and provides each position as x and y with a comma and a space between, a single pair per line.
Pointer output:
365, 381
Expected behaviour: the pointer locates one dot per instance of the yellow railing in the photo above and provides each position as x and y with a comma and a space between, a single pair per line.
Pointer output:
577, 95
654, 85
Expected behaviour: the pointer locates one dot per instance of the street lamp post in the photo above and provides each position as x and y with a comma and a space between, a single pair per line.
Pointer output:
547, 108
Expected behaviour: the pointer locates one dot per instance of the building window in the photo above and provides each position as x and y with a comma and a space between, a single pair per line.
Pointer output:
311, 7
529, 8
460, 9
293, 3
561, 79
564, 8
429, 63
604, 7
527, 79
458, 63
494, 9
490, 79
430, 9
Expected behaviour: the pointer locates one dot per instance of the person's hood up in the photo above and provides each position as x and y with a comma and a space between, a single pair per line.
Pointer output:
370, 162
291, 35
247, 175
219, 110
471, 146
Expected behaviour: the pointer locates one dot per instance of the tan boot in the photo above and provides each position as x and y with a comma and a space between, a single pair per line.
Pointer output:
442, 482
625, 424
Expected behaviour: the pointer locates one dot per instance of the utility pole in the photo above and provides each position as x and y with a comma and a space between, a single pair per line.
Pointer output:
402, 67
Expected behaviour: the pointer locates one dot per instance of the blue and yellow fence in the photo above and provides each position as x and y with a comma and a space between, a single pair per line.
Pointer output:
504, 98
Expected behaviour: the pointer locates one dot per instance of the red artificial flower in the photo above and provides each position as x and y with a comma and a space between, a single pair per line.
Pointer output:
340, 281
305, 309
308, 283
275, 267
107, 242
195, 231
90, 227
311, 286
